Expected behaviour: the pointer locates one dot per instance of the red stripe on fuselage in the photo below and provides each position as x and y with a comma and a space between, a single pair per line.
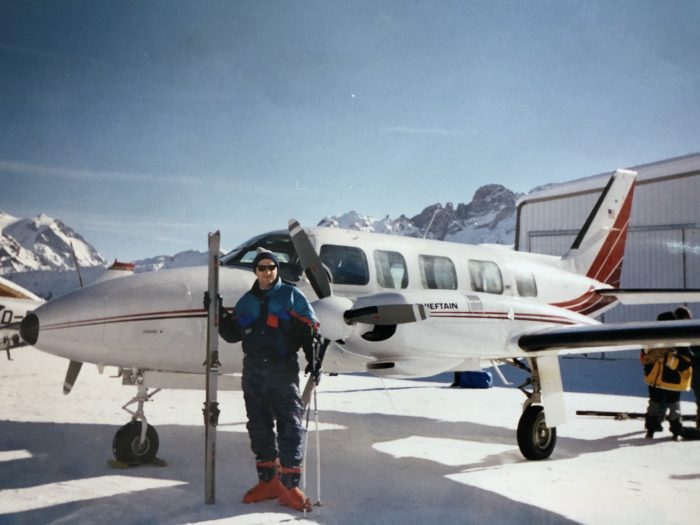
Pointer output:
587, 303
542, 318
150, 316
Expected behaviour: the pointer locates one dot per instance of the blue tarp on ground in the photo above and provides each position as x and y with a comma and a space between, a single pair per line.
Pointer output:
474, 379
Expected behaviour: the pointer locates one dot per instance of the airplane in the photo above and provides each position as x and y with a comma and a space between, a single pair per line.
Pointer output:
388, 305
15, 303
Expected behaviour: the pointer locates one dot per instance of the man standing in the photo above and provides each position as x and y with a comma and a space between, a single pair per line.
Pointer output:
273, 320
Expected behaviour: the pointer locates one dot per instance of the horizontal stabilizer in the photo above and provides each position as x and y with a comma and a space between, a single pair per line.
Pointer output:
623, 335
631, 296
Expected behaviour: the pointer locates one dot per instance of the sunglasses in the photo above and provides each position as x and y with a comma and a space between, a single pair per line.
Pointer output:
263, 267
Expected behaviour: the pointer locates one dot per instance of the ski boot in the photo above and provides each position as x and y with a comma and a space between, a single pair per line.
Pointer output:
652, 424
676, 428
290, 495
268, 486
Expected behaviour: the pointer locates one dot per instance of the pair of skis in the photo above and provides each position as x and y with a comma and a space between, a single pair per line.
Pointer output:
688, 434
623, 415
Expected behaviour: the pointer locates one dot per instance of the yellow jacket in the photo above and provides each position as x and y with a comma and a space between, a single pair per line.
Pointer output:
667, 368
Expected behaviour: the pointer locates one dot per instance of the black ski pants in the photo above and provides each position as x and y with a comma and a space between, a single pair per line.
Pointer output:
271, 394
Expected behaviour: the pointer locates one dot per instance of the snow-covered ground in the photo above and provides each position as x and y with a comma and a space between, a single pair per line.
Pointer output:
391, 452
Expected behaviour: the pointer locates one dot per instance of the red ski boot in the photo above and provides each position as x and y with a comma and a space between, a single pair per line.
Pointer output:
268, 486
290, 495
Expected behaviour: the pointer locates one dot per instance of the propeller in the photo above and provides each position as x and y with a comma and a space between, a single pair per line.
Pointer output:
310, 261
336, 314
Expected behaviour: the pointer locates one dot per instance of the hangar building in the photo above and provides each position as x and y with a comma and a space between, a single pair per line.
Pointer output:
663, 242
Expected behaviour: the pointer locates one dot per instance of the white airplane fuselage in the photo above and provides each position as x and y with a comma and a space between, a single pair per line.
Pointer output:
157, 321
478, 298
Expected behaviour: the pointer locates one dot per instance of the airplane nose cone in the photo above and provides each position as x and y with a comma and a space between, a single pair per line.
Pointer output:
29, 329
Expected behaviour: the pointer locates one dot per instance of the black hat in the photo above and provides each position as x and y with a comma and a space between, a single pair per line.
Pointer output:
265, 254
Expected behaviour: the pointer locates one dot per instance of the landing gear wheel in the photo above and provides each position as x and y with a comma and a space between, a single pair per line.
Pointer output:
127, 447
535, 439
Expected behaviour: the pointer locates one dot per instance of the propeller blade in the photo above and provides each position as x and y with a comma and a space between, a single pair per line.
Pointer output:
310, 261
71, 375
387, 314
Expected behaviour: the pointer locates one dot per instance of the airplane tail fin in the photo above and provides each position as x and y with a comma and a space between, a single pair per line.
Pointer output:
599, 247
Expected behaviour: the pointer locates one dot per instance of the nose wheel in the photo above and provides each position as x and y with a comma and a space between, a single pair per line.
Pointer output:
136, 443
129, 448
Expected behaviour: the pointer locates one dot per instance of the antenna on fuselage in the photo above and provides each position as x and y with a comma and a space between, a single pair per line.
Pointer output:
431, 222
77, 265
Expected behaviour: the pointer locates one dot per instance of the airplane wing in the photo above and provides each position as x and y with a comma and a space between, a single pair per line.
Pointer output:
632, 296
623, 335
11, 290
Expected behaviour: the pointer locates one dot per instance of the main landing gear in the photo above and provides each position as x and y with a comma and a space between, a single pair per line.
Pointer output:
535, 439
136, 443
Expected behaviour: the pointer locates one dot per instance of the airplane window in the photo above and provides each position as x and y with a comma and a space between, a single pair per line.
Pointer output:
437, 272
280, 243
391, 269
486, 277
347, 265
527, 287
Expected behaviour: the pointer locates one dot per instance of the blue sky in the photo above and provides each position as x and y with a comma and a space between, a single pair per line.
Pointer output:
145, 125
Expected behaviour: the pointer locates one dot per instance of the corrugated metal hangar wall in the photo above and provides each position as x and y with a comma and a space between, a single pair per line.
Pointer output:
663, 243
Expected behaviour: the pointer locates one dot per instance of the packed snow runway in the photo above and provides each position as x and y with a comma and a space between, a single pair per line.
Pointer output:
391, 452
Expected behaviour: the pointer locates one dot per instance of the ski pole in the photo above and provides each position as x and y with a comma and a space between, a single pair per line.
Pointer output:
318, 451
306, 447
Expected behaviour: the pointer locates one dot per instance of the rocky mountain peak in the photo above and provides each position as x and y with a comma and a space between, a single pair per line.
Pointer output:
488, 218
42, 243
488, 199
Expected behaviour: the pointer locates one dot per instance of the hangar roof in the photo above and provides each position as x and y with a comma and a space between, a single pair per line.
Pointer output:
673, 167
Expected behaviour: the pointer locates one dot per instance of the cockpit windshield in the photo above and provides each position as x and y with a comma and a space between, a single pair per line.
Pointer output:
279, 242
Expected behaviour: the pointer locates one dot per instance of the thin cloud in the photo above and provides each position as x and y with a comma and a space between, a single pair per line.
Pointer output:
419, 131
145, 234
42, 53
58, 172
119, 223
153, 230
114, 223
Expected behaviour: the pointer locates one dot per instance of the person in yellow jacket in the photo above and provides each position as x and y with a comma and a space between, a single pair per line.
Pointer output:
667, 372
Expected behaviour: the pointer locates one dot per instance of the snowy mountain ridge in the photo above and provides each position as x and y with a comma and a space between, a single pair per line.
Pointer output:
488, 218
42, 243
36, 253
